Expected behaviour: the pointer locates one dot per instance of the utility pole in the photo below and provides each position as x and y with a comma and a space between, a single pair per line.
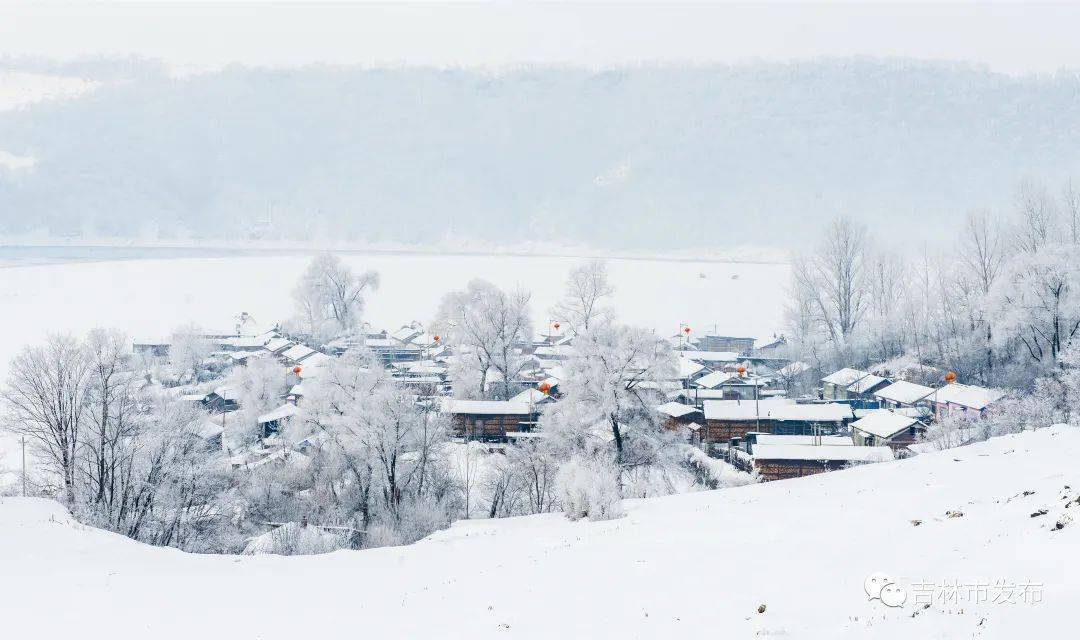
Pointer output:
22, 441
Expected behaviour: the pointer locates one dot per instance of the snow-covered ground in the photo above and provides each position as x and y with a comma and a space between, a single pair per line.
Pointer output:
692, 565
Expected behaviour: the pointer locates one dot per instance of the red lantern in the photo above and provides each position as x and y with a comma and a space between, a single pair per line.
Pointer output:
741, 370
437, 338
557, 325
686, 330
544, 388
297, 369
950, 377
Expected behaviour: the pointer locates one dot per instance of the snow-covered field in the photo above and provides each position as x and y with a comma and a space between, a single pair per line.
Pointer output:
692, 565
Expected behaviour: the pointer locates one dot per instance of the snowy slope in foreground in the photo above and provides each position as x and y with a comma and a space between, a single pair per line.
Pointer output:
694, 565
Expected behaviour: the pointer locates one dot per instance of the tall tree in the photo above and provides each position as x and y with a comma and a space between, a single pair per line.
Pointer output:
45, 400
330, 298
584, 302
488, 328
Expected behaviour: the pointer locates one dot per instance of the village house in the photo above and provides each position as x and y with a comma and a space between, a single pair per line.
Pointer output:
221, 400
809, 418
883, 427
727, 419
962, 399
834, 386
716, 342
864, 387
676, 416
273, 423
782, 461
489, 420
690, 371
901, 394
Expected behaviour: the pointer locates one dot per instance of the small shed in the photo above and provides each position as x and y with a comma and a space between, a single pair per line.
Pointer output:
885, 427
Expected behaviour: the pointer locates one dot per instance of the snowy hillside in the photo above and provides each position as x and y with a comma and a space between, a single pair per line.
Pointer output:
694, 565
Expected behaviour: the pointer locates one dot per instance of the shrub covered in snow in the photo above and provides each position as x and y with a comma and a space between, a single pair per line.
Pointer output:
295, 539
589, 489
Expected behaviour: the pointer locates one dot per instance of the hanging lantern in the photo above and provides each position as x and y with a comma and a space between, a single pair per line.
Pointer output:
556, 325
686, 330
296, 369
437, 338
544, 388
741, 370
950, 377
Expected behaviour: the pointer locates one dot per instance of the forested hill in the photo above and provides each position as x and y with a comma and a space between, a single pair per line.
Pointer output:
660, 157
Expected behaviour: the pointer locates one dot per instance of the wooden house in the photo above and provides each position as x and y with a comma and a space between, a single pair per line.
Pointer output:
489, 420
727, 419
782, 461
883, 427
809, 419
676, 416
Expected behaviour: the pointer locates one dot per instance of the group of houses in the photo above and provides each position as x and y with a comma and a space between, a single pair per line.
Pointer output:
857, 417
729, 396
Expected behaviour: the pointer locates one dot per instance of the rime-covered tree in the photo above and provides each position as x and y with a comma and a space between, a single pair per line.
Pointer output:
487, 327
584, 303
329, 297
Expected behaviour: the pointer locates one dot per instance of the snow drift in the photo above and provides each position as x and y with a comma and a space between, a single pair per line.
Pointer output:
947, 534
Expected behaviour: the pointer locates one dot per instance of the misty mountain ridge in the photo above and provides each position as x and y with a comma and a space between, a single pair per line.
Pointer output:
646, 158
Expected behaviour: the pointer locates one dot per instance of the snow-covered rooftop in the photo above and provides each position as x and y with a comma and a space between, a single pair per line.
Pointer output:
829, 412
676, 409
903, 392
284, 411
742, 409
297, 353
770, 439
831, 453
688, 368
865, 383
844, 377
486, 407
883, 423
969, 396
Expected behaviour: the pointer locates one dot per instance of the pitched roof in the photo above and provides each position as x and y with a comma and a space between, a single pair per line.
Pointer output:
486, 407
844, 377
884, 423
742, 409
689, 368
284, 411
903, 392
297, 353
676, 409
969, 396
277, 344
866, 383
828, 412
832, 453
770, 439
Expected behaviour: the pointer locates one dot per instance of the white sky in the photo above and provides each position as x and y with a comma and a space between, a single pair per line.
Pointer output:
1012, 38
